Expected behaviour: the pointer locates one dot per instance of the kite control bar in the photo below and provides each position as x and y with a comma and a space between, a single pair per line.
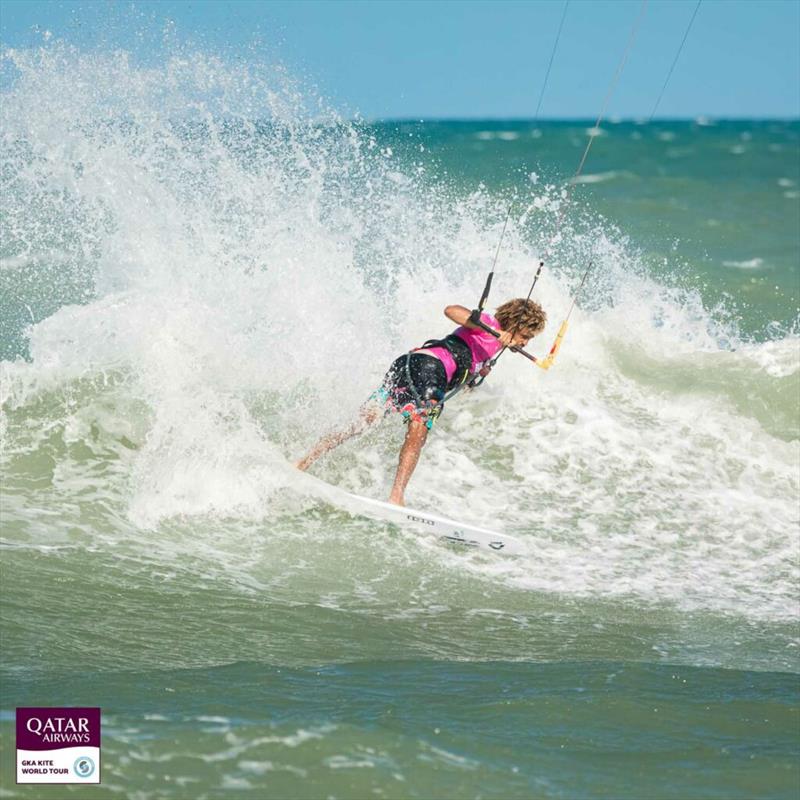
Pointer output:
475, 319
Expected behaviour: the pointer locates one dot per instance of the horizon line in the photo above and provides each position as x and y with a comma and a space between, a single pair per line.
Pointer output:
590, 120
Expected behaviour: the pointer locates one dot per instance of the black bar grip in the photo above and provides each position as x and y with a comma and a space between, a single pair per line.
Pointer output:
475, 319
523, 353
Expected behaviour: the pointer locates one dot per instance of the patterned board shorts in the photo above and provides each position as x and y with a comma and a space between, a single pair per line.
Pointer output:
419, 399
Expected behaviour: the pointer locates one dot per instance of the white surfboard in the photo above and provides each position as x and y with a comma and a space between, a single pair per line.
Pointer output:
449, 530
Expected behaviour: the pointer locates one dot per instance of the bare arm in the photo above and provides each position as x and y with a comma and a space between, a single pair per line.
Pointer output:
460, 316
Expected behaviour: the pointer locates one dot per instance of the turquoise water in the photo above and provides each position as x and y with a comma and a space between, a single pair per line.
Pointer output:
442, 729
713, 204
204, 269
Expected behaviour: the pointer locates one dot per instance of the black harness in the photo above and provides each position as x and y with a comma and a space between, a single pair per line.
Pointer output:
461, 354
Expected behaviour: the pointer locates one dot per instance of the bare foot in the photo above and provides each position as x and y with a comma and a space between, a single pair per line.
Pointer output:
397, 500
303, 464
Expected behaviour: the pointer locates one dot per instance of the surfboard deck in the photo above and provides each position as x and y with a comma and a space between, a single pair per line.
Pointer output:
449, 530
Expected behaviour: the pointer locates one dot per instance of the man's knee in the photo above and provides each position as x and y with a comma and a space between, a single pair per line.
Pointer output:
418, 430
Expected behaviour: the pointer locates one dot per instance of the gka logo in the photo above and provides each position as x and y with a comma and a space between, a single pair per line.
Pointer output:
84, 767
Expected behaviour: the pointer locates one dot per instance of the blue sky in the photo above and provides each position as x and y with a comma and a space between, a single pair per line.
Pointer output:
419, 59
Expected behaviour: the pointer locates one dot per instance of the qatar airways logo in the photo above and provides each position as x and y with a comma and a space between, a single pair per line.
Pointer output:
58, 745
64, 730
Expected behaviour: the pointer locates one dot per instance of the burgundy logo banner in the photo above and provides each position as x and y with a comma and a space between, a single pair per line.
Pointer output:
58, 745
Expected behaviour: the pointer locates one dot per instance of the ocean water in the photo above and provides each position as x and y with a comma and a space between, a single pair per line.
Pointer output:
204, 268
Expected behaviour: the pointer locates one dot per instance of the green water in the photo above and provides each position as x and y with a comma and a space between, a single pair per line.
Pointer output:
439, 729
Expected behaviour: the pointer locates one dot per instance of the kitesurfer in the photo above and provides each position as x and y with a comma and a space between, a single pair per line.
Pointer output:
419, 382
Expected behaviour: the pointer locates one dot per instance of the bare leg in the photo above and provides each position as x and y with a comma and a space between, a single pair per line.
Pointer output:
416, 434
368, 415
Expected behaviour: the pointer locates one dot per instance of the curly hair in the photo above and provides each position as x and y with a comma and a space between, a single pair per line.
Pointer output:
521, 316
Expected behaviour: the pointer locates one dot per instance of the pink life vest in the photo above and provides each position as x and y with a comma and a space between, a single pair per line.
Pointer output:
482, 347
